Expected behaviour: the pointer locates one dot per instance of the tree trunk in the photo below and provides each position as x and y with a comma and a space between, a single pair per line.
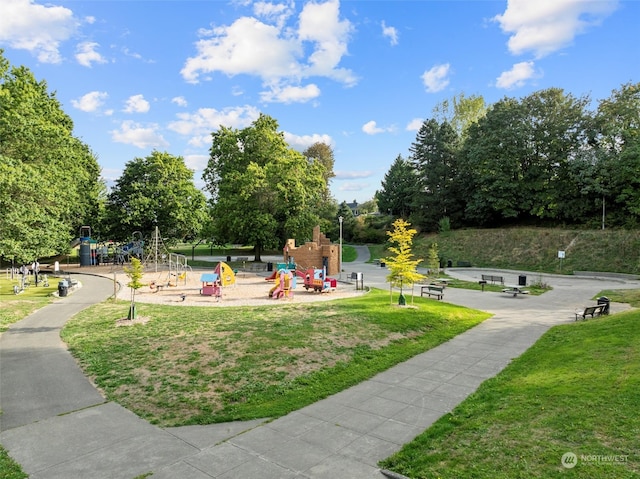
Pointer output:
257, 249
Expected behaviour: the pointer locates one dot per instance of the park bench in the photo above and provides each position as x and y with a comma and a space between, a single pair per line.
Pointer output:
493, 279
432, 290
242, 258
463, 264
592, 311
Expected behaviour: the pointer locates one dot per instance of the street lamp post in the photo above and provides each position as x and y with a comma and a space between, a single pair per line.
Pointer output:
340, 218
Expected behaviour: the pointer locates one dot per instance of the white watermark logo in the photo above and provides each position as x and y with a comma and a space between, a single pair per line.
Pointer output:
569, 460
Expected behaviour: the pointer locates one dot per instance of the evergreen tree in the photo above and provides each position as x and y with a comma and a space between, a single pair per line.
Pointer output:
435, 159
398, 188
348, 221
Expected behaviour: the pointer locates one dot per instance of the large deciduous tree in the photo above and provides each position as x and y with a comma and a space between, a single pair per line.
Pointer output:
263, 192
556, 133
322, 153
618, 140
49, 180
491, 160
461, 112
519, 157
157, 190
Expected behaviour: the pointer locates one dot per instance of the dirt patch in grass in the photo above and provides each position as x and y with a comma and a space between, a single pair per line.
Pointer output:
132, 322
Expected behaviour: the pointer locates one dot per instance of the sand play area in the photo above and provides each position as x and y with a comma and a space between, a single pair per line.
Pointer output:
249, 289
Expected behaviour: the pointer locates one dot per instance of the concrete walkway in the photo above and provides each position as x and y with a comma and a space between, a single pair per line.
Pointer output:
56, 425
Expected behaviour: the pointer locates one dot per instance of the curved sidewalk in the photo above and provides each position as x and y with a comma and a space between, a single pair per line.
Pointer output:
56, 425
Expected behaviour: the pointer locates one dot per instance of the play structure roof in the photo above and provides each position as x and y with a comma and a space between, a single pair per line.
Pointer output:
209, 277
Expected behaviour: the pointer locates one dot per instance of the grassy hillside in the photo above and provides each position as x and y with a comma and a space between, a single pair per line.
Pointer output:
536, 249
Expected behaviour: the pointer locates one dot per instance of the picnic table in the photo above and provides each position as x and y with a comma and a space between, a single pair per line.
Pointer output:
515, 290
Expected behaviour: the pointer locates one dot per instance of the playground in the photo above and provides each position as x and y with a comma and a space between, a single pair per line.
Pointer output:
247, 290
169, 279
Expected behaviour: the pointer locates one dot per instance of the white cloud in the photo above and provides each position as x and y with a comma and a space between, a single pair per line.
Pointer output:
275, 51
415, 124
136, 104
372, 128
199, 141
143, 137
179, 100
39, 29
247, 46
86, 54
391, 33
320, 24
196, 162
303, 142
91, 101
275, 12
545, 26
201, 123
111, 174
290, 94
517, 76
131, 54
436, 79
353, 186
352, 175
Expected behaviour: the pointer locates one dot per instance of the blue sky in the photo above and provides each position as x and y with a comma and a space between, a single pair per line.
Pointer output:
360, 75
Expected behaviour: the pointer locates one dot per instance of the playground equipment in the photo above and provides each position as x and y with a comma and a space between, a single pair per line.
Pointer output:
87, 246
225, 273
133, 249
319, 252
210, 285
285, 282
178, 269
316, 279
279, 266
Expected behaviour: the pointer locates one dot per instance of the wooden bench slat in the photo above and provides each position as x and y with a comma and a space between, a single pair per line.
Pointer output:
493, 279
431, 290
592, 311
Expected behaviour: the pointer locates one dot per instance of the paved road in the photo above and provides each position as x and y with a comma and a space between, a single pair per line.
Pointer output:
56, 425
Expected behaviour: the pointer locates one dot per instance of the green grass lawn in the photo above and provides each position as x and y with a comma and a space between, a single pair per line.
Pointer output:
349, 254
631, 296
576, 390
9, 469
198, 365
535, 288
14, 307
